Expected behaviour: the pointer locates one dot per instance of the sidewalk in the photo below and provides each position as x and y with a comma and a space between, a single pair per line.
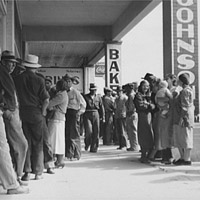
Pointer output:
114, 174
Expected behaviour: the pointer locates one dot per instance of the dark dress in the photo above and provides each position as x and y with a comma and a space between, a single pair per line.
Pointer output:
145, 131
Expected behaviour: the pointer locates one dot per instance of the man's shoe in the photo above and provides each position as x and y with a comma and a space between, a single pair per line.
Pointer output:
22, 183
38, 177
131, 149
26, 177
19, 190
59, 165
187, 162
178, 162
50, 171
86, 148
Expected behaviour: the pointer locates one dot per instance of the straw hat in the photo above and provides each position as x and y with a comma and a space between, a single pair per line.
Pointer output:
31, 61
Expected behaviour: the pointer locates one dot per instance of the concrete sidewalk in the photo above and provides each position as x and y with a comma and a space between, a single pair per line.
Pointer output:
114, 174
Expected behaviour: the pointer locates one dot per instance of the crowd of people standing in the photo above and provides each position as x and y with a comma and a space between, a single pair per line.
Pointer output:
41, 124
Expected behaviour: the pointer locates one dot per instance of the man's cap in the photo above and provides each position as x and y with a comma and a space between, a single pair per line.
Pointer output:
92, 86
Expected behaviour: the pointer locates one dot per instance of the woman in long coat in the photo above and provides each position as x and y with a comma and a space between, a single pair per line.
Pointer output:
144, 107
56, 124
183, 135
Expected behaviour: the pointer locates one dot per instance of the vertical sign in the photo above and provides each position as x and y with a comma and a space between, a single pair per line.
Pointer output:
113, 65
185, 42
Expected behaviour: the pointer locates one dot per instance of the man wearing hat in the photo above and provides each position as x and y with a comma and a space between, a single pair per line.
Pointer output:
33, 99
94, 112
15, 135
8, 107
109, 107
76, 107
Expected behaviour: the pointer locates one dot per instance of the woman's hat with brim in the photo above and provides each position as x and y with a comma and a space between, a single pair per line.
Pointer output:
31, 61
8, 55
74, 79
93, 86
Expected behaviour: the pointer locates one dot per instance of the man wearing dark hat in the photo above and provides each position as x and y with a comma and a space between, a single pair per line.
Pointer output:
109, 107
94, 112
15, 135
33, 99
9, 108
76, 107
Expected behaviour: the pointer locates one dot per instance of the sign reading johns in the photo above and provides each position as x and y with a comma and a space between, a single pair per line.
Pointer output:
185, 42
113, 63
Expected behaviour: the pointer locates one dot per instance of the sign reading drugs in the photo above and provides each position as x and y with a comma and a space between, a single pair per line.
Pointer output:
56, 74
185, 40
113, 63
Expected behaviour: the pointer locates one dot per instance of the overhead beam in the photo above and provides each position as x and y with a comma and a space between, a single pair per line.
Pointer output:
136, 11
97, 55
67, 33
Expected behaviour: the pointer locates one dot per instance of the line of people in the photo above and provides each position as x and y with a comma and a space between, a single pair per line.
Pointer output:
153, 118
40, 124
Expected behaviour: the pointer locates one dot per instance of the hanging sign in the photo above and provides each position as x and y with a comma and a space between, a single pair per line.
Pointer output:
113, 65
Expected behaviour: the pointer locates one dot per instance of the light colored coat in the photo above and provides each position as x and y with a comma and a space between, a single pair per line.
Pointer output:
59, 103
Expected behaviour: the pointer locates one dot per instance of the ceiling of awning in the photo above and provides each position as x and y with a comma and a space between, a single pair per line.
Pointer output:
72, 33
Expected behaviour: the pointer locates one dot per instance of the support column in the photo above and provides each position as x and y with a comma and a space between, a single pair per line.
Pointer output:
10, 27
113, 72
167, 38
89, 75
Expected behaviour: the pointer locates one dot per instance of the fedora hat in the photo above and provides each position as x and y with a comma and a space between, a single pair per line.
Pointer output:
74, 79
31, 61
93, 86
8, 55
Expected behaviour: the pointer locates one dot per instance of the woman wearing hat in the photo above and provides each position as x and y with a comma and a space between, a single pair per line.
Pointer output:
183, 135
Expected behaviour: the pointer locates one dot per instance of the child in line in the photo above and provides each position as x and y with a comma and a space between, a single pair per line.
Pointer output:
162, 98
